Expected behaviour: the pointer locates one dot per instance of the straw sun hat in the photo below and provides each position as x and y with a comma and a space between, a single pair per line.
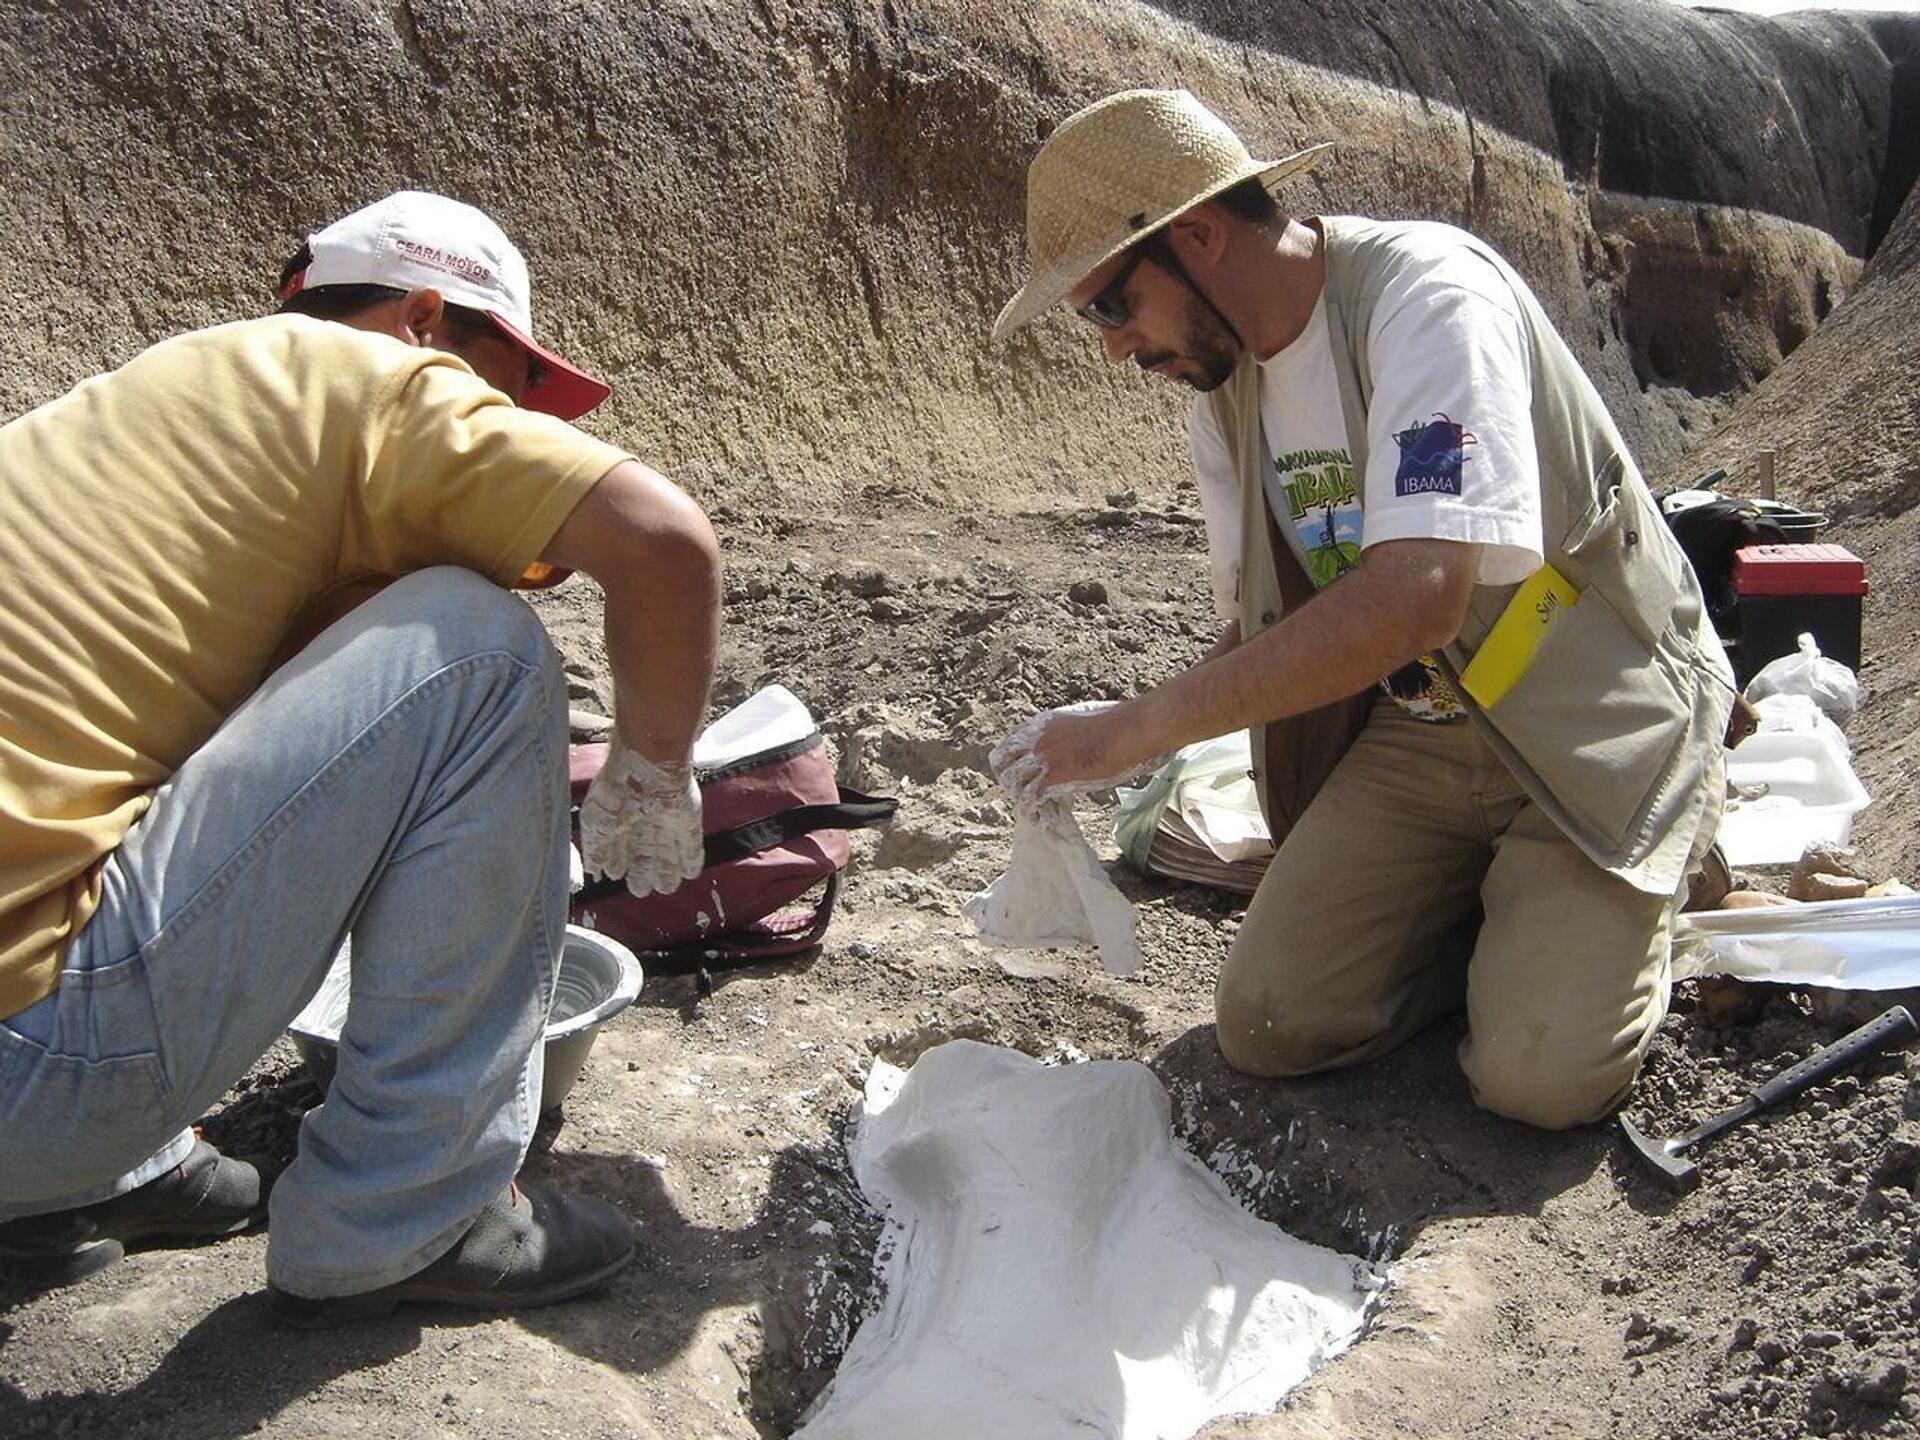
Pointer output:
1115, 173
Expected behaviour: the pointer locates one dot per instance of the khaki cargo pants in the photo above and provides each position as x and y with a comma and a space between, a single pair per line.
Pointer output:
1420, 880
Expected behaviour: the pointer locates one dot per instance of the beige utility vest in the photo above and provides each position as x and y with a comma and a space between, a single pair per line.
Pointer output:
1616, 727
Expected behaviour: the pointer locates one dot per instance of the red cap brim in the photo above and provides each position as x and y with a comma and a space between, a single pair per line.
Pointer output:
565, 390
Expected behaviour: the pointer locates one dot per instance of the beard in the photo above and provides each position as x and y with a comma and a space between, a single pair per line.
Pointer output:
1207, 347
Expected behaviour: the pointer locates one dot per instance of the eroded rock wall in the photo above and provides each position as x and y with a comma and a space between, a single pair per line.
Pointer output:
1841, 418
782, 227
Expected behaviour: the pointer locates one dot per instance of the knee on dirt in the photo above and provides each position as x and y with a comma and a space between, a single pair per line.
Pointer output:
1258, 1042
1552, 1093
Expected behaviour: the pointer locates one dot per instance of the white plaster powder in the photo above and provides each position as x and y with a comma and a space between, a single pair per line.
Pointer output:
1059, 1267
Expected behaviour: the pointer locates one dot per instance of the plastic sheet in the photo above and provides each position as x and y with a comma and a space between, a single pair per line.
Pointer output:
1838, 944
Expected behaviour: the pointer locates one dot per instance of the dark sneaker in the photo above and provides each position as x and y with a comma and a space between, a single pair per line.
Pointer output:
529, 1247
44, 1252
205, 1194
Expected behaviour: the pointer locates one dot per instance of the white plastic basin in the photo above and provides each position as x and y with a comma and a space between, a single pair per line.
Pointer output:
1807, 791
598, 979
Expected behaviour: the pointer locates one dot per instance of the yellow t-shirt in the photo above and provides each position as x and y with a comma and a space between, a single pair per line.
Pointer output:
163, 526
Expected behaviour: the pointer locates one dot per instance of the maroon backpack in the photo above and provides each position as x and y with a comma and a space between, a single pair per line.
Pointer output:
775, 822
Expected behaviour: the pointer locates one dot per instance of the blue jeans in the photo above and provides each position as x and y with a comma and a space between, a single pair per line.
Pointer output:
403, 781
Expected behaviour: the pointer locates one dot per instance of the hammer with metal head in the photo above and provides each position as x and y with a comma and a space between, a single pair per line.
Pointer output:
1665, 1157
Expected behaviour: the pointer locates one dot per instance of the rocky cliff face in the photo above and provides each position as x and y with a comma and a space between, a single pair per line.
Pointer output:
782, 227
1842, 414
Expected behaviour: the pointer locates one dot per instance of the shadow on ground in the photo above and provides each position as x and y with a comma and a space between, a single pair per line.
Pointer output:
1362, 1159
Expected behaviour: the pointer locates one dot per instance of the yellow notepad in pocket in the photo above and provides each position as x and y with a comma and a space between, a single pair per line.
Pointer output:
1503, 657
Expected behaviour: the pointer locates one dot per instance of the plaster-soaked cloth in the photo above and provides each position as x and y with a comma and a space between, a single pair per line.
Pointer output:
1055, 892
1061, 1269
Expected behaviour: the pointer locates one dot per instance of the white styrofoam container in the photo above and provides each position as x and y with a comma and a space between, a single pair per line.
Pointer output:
1811, 793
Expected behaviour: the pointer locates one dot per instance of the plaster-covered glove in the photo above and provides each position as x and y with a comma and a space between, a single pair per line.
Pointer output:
1023, 774
641, 822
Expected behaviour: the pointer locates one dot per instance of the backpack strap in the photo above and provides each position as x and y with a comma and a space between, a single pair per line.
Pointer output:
854, 811
773, 938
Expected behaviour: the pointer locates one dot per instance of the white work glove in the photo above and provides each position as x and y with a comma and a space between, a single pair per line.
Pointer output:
1023, 774
641, 822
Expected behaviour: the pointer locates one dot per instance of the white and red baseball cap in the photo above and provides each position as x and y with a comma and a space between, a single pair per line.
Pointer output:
413, 240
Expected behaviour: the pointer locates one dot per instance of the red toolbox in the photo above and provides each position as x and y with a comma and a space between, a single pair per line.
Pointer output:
1785, 590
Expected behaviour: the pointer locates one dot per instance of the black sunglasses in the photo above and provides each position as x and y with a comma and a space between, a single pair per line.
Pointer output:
1109, 309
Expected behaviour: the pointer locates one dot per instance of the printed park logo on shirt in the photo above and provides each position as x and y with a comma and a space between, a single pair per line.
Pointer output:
1431, 457
1323, 505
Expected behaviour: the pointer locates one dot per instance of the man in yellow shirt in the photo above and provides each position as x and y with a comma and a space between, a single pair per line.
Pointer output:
191, 823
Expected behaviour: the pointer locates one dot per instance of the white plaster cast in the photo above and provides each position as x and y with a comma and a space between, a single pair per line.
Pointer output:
1055, 892
1061, 1269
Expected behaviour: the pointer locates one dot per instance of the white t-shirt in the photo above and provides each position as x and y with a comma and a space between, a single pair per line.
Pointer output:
1450, 452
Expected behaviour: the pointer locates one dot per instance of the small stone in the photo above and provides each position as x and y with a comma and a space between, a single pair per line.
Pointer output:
1770, 1352
1830, 887
1745, 1330
1827, 858
1885, 1385
1657, 1335
889, 612
1752, 900
1112, 520
1820, 1339
1725, 1000
863, 584
587, 724
1087, 592
1899, 1162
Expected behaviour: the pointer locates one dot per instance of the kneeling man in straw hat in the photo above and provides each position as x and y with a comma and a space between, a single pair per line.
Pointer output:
1394, 449
191, 822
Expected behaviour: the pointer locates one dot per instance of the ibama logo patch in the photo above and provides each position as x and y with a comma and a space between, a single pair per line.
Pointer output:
1431, 457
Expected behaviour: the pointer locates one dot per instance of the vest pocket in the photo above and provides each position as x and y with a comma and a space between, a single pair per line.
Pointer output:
1621, 548
1597, 716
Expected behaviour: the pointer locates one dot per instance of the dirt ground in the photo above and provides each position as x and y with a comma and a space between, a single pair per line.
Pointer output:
1540, 1285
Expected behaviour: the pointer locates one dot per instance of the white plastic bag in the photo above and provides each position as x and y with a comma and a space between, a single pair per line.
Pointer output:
1209, 785
1828, 683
